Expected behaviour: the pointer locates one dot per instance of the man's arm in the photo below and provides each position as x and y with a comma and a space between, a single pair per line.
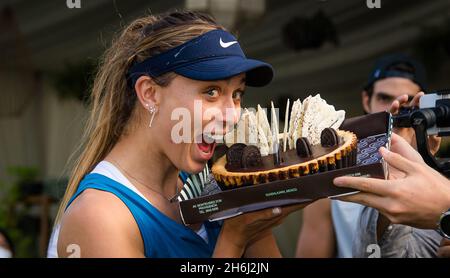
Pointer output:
263, 247
316, 238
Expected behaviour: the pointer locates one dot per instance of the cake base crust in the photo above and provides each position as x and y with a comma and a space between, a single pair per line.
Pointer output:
343, 156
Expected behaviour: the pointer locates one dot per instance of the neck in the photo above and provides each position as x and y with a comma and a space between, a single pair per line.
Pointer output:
139, 156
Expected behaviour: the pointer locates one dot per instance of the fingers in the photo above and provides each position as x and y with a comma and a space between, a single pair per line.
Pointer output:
270, 213
416, 99
403, 101
270, 217
260, 216
275, 216
270, 220
397, 103
370, 185
397, 139
397, 161
444, 250
366, 199
395, 106
400, 145
267, 217
434, 143
445, 242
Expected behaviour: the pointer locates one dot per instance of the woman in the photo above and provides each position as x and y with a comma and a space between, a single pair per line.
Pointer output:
118, 203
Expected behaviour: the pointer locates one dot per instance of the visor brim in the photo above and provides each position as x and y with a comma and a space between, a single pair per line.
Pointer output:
258, 74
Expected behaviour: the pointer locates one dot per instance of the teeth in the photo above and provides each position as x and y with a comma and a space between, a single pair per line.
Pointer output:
217, 137
211, 138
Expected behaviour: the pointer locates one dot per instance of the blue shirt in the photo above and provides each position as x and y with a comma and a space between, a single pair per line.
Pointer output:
398, 241
162, 236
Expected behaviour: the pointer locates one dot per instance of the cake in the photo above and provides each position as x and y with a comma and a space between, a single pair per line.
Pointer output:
310, 143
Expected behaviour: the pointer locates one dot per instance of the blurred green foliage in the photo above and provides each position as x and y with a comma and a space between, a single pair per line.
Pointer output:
11, 215
75, 80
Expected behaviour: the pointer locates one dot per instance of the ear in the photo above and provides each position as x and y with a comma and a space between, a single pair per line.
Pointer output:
365, 101
146, 92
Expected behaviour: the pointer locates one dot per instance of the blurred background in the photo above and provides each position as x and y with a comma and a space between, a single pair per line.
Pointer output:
48, 54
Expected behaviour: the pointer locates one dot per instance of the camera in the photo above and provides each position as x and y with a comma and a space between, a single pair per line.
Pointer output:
432, 117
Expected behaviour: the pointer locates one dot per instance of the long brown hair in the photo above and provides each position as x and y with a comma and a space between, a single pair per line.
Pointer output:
112, 101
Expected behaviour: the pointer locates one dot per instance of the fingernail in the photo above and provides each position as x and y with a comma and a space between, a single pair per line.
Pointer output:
384, 151
337, 181
276, 211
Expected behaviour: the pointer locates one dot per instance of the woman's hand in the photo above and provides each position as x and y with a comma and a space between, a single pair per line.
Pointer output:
238, 232
434, 142
414, 195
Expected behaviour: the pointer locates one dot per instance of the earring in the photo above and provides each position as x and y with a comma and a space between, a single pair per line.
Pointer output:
152, 110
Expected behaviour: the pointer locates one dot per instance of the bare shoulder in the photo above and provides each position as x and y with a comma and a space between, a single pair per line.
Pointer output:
98, 224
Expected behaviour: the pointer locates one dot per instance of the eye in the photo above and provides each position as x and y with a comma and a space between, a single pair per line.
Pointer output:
212, 92
238, 95
384, 98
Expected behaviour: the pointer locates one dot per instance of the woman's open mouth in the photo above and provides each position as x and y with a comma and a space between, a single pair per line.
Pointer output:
206, 146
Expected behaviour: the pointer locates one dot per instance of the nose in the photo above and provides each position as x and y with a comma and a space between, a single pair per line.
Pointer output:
230, 114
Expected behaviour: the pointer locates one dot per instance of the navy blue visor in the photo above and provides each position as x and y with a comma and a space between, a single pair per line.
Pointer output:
215, 55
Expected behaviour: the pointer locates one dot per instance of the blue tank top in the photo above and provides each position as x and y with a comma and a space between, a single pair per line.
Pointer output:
162, 236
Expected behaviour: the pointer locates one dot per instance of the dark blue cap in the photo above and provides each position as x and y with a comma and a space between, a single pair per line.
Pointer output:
385, 68
215, 55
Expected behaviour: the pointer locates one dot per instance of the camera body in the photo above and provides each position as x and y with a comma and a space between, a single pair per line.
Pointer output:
440, 104
431, 118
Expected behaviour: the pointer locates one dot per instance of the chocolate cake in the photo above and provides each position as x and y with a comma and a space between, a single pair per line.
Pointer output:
313, 143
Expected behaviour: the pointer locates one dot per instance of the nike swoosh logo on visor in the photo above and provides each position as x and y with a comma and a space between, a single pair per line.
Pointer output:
226, 44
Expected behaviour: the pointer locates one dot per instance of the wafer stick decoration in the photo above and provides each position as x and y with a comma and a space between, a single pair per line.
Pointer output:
286, 124
275, 130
